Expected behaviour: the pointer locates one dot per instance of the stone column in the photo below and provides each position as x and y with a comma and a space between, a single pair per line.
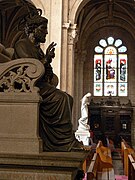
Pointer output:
78, 94
64, 59
72, 38
67, 64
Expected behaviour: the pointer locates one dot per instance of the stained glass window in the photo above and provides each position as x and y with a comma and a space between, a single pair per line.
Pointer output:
110, 68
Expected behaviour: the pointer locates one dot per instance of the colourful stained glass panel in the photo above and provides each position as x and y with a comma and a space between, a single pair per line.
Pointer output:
97, 89
98, 71
110, 50
122, 89
110, 89
98, 74
110, 68
110, 71
123, 68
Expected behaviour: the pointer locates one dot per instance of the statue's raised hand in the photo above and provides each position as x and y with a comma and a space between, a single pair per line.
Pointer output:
50, 52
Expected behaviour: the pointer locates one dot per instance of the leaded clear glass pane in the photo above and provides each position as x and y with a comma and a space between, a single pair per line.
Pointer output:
122, 49
98, 49
117, 43
103, 42
110, 40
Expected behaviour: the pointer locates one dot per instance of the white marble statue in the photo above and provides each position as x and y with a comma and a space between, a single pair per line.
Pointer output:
83, 121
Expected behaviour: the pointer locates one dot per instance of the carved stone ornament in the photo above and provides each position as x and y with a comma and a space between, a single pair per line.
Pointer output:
20, 75
72, 34
110, 101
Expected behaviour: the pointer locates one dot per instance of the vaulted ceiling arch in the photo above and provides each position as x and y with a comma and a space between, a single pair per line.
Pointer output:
105, 13
76, 9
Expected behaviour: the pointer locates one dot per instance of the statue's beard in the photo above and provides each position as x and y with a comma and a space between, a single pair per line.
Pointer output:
40, 38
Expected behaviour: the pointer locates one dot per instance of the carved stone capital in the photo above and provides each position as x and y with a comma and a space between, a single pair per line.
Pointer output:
66, 25
72, 34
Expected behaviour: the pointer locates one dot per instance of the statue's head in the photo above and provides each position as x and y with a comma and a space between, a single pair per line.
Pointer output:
37, 25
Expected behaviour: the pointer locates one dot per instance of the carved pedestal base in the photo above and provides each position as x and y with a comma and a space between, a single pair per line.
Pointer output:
47, 165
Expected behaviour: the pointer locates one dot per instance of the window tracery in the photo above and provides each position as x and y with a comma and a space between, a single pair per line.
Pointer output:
110, 68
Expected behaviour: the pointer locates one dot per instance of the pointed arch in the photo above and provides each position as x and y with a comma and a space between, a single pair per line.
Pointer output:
76, 9
110, 68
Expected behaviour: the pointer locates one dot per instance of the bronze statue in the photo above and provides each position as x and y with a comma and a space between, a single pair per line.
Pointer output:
4, 54
56, 108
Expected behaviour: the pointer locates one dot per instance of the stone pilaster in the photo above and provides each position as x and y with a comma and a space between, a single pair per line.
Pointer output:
69, 38
80, 57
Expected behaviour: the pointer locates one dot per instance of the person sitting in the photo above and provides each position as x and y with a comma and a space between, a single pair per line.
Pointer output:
55, 127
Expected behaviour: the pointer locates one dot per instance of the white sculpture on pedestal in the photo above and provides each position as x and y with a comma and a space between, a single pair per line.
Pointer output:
83, 121
83, 134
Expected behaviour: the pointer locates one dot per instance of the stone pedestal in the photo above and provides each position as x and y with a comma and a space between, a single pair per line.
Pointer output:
83, 136
19, 123
19, 106
45, 166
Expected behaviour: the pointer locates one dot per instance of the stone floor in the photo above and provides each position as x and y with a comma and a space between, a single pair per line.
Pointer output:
117, 163
118, 166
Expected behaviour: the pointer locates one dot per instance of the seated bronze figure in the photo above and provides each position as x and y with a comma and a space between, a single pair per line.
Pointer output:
56, 106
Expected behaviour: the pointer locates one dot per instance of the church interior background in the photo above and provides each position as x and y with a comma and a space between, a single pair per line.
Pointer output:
83, 29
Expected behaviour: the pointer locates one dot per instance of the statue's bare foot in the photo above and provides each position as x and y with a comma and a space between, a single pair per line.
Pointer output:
81, 148
78, 146
86, 148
